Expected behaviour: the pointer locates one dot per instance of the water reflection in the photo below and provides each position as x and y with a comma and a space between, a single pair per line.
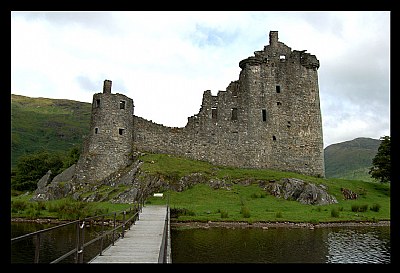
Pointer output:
234, 245
53, 244
281, 245
353, 246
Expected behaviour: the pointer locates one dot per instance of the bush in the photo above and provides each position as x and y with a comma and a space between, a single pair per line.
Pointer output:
257, 195
224, 214
334, 213
176, 212
18, 205
358, 208
375, 207
245, 211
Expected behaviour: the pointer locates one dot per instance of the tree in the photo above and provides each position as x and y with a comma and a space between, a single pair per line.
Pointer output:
381, 167
31, 167
72, 157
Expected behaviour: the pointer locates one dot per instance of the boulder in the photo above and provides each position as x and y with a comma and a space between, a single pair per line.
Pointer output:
301, 191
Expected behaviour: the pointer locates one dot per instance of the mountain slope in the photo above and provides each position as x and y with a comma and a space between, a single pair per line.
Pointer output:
351, 159
50, 124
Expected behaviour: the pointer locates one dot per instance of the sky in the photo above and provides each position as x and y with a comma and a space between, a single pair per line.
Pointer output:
165, 60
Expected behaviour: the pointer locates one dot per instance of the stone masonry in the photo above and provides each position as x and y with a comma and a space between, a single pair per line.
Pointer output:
269, 118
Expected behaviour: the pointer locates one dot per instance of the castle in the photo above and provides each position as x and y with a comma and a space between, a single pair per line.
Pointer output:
269, 118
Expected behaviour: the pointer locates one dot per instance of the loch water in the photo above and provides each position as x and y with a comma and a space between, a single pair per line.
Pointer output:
361, 244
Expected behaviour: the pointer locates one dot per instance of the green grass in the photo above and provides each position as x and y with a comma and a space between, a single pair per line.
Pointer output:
206, 204
62, 209
173, 167
248, 203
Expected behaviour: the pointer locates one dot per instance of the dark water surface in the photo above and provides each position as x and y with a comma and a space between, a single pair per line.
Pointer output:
238, 245
53, 244
281, 245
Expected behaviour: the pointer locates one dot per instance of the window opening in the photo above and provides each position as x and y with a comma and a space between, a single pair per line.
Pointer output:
264, 115
278, 89
274, 138
214, 112
234, 115
234, 92
278, 103
96, 130
122, 104
121, 131
97, 104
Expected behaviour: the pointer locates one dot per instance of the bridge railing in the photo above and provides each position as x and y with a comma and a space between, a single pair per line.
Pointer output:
164, 256
119, 226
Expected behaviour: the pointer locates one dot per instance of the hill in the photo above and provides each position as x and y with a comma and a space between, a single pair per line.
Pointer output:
351, 159
50, 124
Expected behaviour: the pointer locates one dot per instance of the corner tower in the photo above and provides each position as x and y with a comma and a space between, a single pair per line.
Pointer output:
108, 148
282, 107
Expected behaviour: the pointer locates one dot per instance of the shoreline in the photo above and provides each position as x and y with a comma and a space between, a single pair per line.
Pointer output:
266, 225
233, 225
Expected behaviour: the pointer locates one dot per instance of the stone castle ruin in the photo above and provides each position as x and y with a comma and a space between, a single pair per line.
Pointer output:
269, 118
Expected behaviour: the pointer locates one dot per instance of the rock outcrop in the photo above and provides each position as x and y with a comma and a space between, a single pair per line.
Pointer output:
301, 191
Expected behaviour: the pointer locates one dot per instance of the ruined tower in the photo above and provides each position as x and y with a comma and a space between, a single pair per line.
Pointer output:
280, 99
108, 147
269, 118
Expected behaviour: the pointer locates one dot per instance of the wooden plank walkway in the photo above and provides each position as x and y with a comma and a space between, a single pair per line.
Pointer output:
142, 243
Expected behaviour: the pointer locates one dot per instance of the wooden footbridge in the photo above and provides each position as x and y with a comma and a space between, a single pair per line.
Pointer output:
143, 243
143, 237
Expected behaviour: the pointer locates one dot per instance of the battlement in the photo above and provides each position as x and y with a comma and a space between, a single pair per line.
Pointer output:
277, 52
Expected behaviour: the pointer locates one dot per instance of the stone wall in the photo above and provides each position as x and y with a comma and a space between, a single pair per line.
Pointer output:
269, 118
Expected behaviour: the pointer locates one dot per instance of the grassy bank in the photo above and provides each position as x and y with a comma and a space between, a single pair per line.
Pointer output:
238, 202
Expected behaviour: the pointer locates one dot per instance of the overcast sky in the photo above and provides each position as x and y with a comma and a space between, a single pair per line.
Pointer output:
165, 60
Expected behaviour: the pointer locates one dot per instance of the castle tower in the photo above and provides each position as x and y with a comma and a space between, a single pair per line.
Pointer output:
282, 108
108, 148
269, 118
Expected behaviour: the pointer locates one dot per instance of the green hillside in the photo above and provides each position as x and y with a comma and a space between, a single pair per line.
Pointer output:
351, 159
49, 124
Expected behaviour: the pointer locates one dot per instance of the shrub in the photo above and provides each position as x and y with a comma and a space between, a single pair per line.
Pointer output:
358, 208
176, 212
257, 195
18, 205
375, 207
224, 214
278, 214
334, 213
355, 208
245, 211
363, 208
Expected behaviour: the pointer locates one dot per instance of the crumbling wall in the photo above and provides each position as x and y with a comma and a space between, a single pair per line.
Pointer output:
269, 118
